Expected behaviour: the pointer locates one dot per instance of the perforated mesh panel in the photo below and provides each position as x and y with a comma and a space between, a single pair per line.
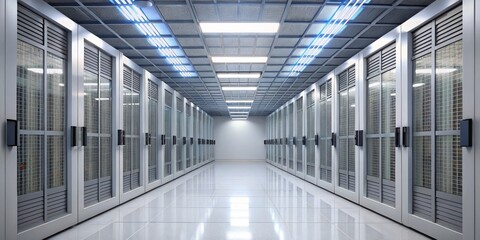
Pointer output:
153, 131
167, 168
310, 132
180, 134
325, 131
299, 123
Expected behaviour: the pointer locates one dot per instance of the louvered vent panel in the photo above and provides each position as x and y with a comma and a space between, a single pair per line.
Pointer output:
329, 88
30, 211
449, 210
351, 182
152, 90
126, 182
373, 190
136, 81
389, 57
342, 180
343, 81
179, 105
57, 40
152, 173
127, 76
90, 193
106, 67
30, 25
56, 204
105, 190
351, 76
388, 192
422, 41
135, 179
91, 59
422, 203
449, 26
168, 98
373, 65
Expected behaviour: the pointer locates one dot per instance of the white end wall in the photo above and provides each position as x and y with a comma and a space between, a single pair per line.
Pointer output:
239, 139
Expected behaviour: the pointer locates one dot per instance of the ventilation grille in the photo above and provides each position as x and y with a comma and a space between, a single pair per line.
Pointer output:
373, 65
30, 25
136, 81
373, 190
388, 192
351, 76
152, 174
152, 90
90, 193
91, 59
57, 40
389, 57
422, 41
342, 180
127, 76
106, 65
105, 188
168, 98
179, 105
126, 182
449, 210
351, 182
422, 203
343, 80
56, 204
449, 26
30, 210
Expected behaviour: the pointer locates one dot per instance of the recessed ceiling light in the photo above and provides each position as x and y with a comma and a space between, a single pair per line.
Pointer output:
255, 27
239, 88
238, 112
239, 101
239, 107
239, 118
239, 59
238, 75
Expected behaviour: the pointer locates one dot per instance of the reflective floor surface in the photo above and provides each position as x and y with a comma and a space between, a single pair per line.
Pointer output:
239, 200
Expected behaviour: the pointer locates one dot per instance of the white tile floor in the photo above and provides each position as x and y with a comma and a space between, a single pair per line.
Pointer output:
239, 200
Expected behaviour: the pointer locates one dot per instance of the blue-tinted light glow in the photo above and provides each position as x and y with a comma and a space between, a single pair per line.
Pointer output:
136, 15
338, 22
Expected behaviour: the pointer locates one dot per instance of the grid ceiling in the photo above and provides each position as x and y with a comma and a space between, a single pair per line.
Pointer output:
299, 20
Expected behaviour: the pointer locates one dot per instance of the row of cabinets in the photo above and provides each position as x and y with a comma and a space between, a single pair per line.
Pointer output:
90, 129
391, 128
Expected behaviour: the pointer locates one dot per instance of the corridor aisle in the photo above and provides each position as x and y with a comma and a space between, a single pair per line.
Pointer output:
239, 200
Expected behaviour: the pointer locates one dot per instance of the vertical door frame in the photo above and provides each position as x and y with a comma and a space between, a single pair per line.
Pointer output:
179, 138
126, 196
87, 212
3, 118
313, 88
190, 135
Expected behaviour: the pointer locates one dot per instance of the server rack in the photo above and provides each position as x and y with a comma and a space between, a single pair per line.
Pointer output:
299, 134
153, 136
97, 169
291, 139
326, 136
310, 135
168, 133
179, 144
188, 136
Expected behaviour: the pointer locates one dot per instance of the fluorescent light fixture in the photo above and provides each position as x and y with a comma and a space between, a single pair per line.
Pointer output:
344, 13
239, 101
239, 59
238, 75
393, 94
254, 27
102, 99
239, 107
233, 118
142, 23
239, 88
238, 112
418, 85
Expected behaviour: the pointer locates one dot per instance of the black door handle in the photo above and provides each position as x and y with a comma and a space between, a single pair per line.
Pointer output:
304, 140
405, 136
147, 139
74, 136
316, 139
163, 139
334, 139
184, 140
174, 140
84, 136
359, 138
397, 137
191, 141
466, 133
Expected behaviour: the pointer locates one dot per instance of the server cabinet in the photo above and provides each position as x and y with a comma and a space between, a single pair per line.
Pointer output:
41, 177
283, 137
435, 92
97, 169
167, 137
300, 163
346, 117
310, 130
291, 138
179, 135
133, 171
195, 137
188, 136
3, 116
153, 117
325, 134
380, 168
